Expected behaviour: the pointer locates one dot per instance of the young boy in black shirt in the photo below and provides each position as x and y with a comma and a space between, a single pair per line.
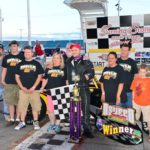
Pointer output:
9, 64
28, 76
130, 69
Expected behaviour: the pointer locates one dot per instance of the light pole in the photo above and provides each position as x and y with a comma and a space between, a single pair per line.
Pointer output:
29, 22
1, 20
118, 7
20, 37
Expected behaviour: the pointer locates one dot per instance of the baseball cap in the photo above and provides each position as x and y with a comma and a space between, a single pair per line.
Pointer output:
76, 46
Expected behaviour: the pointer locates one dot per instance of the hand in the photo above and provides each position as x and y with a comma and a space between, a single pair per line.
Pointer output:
118, 100
32, 89
41, 90
86, 77
85, 57
4, 83
24, 89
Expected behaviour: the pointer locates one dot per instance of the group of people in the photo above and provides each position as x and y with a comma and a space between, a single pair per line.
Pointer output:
125, 85
23, 78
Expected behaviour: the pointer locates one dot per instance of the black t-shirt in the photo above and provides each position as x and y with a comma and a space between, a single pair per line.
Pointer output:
28, 72
130, 69
10, 62
111, 78
56, 77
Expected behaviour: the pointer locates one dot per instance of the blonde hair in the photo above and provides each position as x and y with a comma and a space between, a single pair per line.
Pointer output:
51, 63
143, 66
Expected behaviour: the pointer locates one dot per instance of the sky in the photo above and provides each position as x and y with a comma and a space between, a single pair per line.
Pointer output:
53, 16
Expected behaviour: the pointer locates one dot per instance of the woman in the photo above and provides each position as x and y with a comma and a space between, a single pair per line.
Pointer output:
112, 82
55, 76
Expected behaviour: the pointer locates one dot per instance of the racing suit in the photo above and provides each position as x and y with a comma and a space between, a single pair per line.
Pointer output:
81, 68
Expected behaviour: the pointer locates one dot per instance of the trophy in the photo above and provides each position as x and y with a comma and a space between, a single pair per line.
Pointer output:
75, 113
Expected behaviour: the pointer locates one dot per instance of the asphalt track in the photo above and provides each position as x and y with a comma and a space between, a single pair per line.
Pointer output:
28, 139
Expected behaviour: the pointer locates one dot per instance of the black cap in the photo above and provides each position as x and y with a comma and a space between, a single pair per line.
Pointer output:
1, 46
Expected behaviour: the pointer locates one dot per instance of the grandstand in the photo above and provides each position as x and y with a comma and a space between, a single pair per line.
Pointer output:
47, 44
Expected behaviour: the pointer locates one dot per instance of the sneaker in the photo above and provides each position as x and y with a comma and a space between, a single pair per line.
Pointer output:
20, 126
17, 121
57, 128
51, 129
10, 123
36, 125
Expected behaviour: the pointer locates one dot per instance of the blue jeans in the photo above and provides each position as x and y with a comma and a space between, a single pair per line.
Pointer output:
128, 103
5, 106
129, 100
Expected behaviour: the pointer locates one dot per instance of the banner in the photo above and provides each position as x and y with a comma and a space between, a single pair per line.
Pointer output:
118, 123
105, 34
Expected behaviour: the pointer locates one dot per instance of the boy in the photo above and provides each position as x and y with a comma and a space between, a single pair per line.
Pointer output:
141, 98
9, 64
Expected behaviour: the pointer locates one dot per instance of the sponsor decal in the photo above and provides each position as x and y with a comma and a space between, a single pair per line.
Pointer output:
119, 114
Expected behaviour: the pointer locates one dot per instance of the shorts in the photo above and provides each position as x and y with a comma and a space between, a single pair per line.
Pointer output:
142, 109
11, 94
29, 98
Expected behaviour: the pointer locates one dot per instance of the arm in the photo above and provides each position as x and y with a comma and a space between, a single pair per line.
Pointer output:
103, 93
20, 84
42, 47
135, 69
120, 88
67, 82
38, 80
121, 79
44, 82
102, 86
4, 71
89, 74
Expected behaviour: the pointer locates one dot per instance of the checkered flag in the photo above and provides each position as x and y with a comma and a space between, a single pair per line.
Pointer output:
61, 100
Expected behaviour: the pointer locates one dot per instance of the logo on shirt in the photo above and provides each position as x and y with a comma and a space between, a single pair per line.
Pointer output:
138, 89
56, 73
13, 61
126, 67
28, 68
109, 74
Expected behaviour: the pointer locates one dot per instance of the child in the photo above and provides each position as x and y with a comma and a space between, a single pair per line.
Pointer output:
141, 97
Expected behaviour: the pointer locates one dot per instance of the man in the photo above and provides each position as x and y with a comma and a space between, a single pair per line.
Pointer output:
130, 69
38, 49
84, 69
28, 76
9, 64
5, 107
